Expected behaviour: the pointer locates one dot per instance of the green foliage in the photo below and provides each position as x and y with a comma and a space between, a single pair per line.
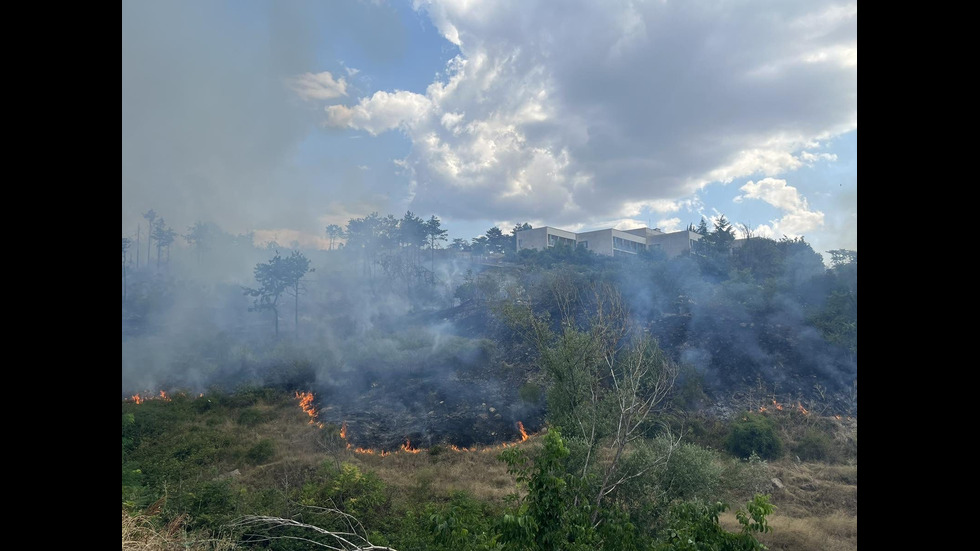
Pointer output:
462, 524
693, 526
262, 452
714, 250
274, 278
251, 417
692, 472
814, 445
554, 513
360, 494
743, 478
754, 434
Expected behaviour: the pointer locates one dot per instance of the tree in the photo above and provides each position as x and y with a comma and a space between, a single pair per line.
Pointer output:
164, 236
334, 232
551, 514
842, 257
513, 234
460, 245
714, 249
435, 233
497, 242
126, 242
694, 526
151, 216
200, 236
276, 277
608, 383
480, 245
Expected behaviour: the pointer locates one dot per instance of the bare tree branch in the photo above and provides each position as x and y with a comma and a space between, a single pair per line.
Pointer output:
352, 540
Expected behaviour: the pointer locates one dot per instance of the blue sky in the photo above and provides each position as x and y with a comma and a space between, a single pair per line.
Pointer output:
284, 117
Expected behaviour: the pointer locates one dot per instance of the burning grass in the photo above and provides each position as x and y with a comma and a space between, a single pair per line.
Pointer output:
816, 505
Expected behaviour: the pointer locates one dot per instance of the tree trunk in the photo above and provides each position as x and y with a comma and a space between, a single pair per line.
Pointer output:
138, 227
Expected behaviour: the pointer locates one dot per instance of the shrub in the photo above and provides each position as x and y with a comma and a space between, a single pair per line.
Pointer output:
251, 417
262, 452
754, 433
814, 445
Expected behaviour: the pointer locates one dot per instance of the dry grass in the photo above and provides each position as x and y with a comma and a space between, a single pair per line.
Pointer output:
479, 473
816, 509
138, 534
834, 532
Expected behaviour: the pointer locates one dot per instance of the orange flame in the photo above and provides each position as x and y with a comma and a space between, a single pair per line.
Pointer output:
162, 395
306, 404
802, 409
778, 405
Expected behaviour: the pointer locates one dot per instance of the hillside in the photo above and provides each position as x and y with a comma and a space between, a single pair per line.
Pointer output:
205, 461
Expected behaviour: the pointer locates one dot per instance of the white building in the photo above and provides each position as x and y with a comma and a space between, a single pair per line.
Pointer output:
609, 241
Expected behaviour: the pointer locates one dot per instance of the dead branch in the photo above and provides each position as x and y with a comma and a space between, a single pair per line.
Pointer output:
351, 540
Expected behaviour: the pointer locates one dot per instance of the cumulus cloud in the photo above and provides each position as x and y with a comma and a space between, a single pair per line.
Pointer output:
381, 112
318, 86
797, 219
592, 110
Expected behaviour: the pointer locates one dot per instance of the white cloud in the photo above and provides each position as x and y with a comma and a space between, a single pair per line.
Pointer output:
381, 112
590, 111
798, 218
318, 86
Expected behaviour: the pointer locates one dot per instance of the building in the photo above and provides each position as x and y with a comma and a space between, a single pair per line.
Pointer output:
610, 241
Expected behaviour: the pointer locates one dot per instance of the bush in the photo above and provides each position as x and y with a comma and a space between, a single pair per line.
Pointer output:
754, 433
262, 452
814, 445
251, 417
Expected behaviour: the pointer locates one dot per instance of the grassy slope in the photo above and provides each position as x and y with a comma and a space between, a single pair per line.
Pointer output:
816, 505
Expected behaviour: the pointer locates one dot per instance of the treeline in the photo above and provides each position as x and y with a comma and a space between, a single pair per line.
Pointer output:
737, 310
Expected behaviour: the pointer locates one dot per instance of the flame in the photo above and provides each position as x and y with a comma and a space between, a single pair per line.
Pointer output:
524, 435
779, 406
802, 409
139, 399
306, 404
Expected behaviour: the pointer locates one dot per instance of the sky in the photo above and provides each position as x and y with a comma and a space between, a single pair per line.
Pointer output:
280, 118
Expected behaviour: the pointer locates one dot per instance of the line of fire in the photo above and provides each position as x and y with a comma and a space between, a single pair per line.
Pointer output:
306, 400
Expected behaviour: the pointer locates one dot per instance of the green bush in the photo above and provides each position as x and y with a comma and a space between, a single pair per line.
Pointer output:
754, 433
262, 452
252, 417
814, 445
